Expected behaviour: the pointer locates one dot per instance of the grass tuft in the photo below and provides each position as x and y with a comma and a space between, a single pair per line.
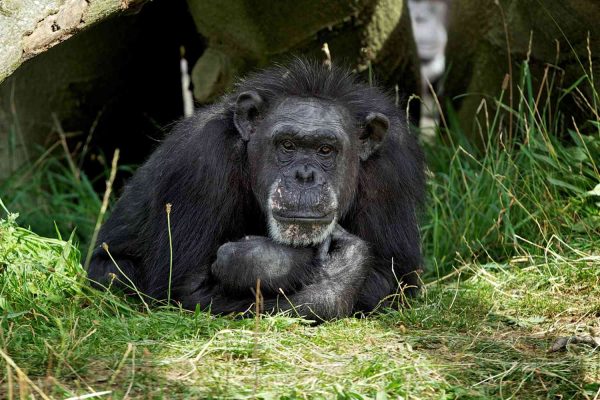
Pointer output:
513, 197
486, 334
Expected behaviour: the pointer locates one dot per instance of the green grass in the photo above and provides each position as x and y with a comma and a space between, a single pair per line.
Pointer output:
512, 197
53, 197
512, 242
486, 336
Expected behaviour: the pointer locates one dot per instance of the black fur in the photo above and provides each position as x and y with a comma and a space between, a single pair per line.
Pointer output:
202, 170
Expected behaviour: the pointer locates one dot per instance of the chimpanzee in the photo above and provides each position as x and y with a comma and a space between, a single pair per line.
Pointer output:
303, 177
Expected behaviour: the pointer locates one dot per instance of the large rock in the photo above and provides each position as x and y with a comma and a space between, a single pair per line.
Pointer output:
477, 49
122, 73
30, 27
245, 34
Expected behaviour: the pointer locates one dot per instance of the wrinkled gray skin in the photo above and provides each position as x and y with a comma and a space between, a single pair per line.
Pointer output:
306, 183
303, 156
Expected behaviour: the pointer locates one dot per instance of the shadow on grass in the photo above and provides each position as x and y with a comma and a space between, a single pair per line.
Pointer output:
482, 353
452, 341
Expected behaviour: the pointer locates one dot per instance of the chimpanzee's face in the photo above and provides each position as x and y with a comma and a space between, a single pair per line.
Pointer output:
304, 156
304, 165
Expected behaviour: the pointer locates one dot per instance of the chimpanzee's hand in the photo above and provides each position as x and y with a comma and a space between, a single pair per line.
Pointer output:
240, 264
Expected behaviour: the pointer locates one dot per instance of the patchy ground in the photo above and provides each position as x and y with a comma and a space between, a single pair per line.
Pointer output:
484, 332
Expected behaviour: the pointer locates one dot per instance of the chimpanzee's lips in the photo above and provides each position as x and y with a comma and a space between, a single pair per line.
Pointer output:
291, 218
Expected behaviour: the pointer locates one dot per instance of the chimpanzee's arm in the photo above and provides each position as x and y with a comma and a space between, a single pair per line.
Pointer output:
228, 285
279, 267
332, 289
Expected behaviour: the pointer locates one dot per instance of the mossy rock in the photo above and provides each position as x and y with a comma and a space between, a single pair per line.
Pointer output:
120, 75
29, 28
246, 34
477, 51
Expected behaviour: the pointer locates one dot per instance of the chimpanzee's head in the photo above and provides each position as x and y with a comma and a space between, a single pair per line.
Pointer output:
304, 154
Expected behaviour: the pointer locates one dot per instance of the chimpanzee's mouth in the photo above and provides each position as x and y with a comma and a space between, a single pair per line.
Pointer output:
304, 218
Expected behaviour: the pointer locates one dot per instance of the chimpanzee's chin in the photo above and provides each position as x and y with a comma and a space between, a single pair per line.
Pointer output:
300, 233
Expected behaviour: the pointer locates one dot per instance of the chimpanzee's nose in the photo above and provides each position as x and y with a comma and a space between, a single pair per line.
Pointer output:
305, 174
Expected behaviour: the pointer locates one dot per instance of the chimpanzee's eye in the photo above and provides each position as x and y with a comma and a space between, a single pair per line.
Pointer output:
288, 145
325, 150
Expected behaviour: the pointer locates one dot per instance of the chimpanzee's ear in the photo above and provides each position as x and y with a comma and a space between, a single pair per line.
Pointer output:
376, 127
247, 112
